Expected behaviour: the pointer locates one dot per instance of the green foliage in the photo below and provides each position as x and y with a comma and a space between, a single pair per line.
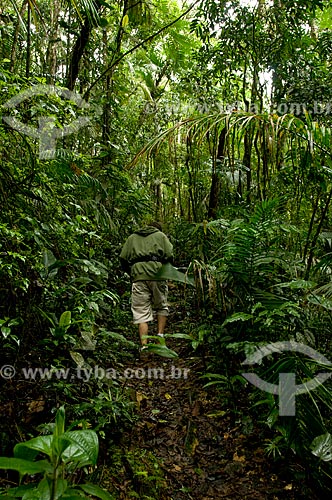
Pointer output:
307, 433
169, 272
227, 115
6, 325
160, 348
66, 452
255, 271
146, 475
321, 447
108, 411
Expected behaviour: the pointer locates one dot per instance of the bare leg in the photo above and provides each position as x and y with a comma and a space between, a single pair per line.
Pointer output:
143, 329
161, 324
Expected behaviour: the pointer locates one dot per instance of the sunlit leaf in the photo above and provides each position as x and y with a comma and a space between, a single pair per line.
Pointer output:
321, 447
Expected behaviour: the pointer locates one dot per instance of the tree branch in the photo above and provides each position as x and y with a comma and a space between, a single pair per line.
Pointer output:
138, 45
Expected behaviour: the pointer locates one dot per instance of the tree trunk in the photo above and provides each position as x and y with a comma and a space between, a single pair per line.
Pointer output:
311, 225
51, 53
77, 54
247, 162
28, 55
15, 39
191, 200
215, 178
78, 49
109, 76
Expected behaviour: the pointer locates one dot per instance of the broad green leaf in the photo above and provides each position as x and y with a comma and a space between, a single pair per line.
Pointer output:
19, 492
24, 466
117, 336
162, 350
22, 451
50, 264
44, 489
83, 449
48, 258
240, 316
169, 272
5, 330
42, 444
88, 342
77, 357
65, 320
179, 336
321, 447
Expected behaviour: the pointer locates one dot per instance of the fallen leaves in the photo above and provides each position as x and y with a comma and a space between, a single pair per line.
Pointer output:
188, 430
236, 458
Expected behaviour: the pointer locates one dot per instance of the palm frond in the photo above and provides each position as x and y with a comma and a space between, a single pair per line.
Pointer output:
324, 291
86, 182
99, 212
88, 9
237, 122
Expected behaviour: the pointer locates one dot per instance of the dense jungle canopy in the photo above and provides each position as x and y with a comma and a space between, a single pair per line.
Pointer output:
214, 118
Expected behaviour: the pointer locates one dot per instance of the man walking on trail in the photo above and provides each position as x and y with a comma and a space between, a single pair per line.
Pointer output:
142, 255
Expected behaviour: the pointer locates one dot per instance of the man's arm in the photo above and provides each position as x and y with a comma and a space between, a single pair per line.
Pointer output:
124, 260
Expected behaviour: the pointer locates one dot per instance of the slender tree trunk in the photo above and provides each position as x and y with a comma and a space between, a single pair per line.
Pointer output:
265, 164
28, 54
65, 66
158, 195
15, 39
51, 53
258, 174
106, 90
191, 201
215, 178
247, 161
77, 54
79, 48
311, 225
178, 185
109, 76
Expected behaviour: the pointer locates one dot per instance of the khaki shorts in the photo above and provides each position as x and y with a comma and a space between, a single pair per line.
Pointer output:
148, 295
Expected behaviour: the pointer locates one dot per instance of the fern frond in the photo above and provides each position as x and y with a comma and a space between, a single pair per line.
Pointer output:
99, 212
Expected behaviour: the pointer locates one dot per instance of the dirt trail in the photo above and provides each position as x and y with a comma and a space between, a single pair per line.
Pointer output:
187, 444
204, 452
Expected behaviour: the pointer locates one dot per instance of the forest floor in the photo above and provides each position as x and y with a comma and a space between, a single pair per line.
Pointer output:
192, 446
187, 441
